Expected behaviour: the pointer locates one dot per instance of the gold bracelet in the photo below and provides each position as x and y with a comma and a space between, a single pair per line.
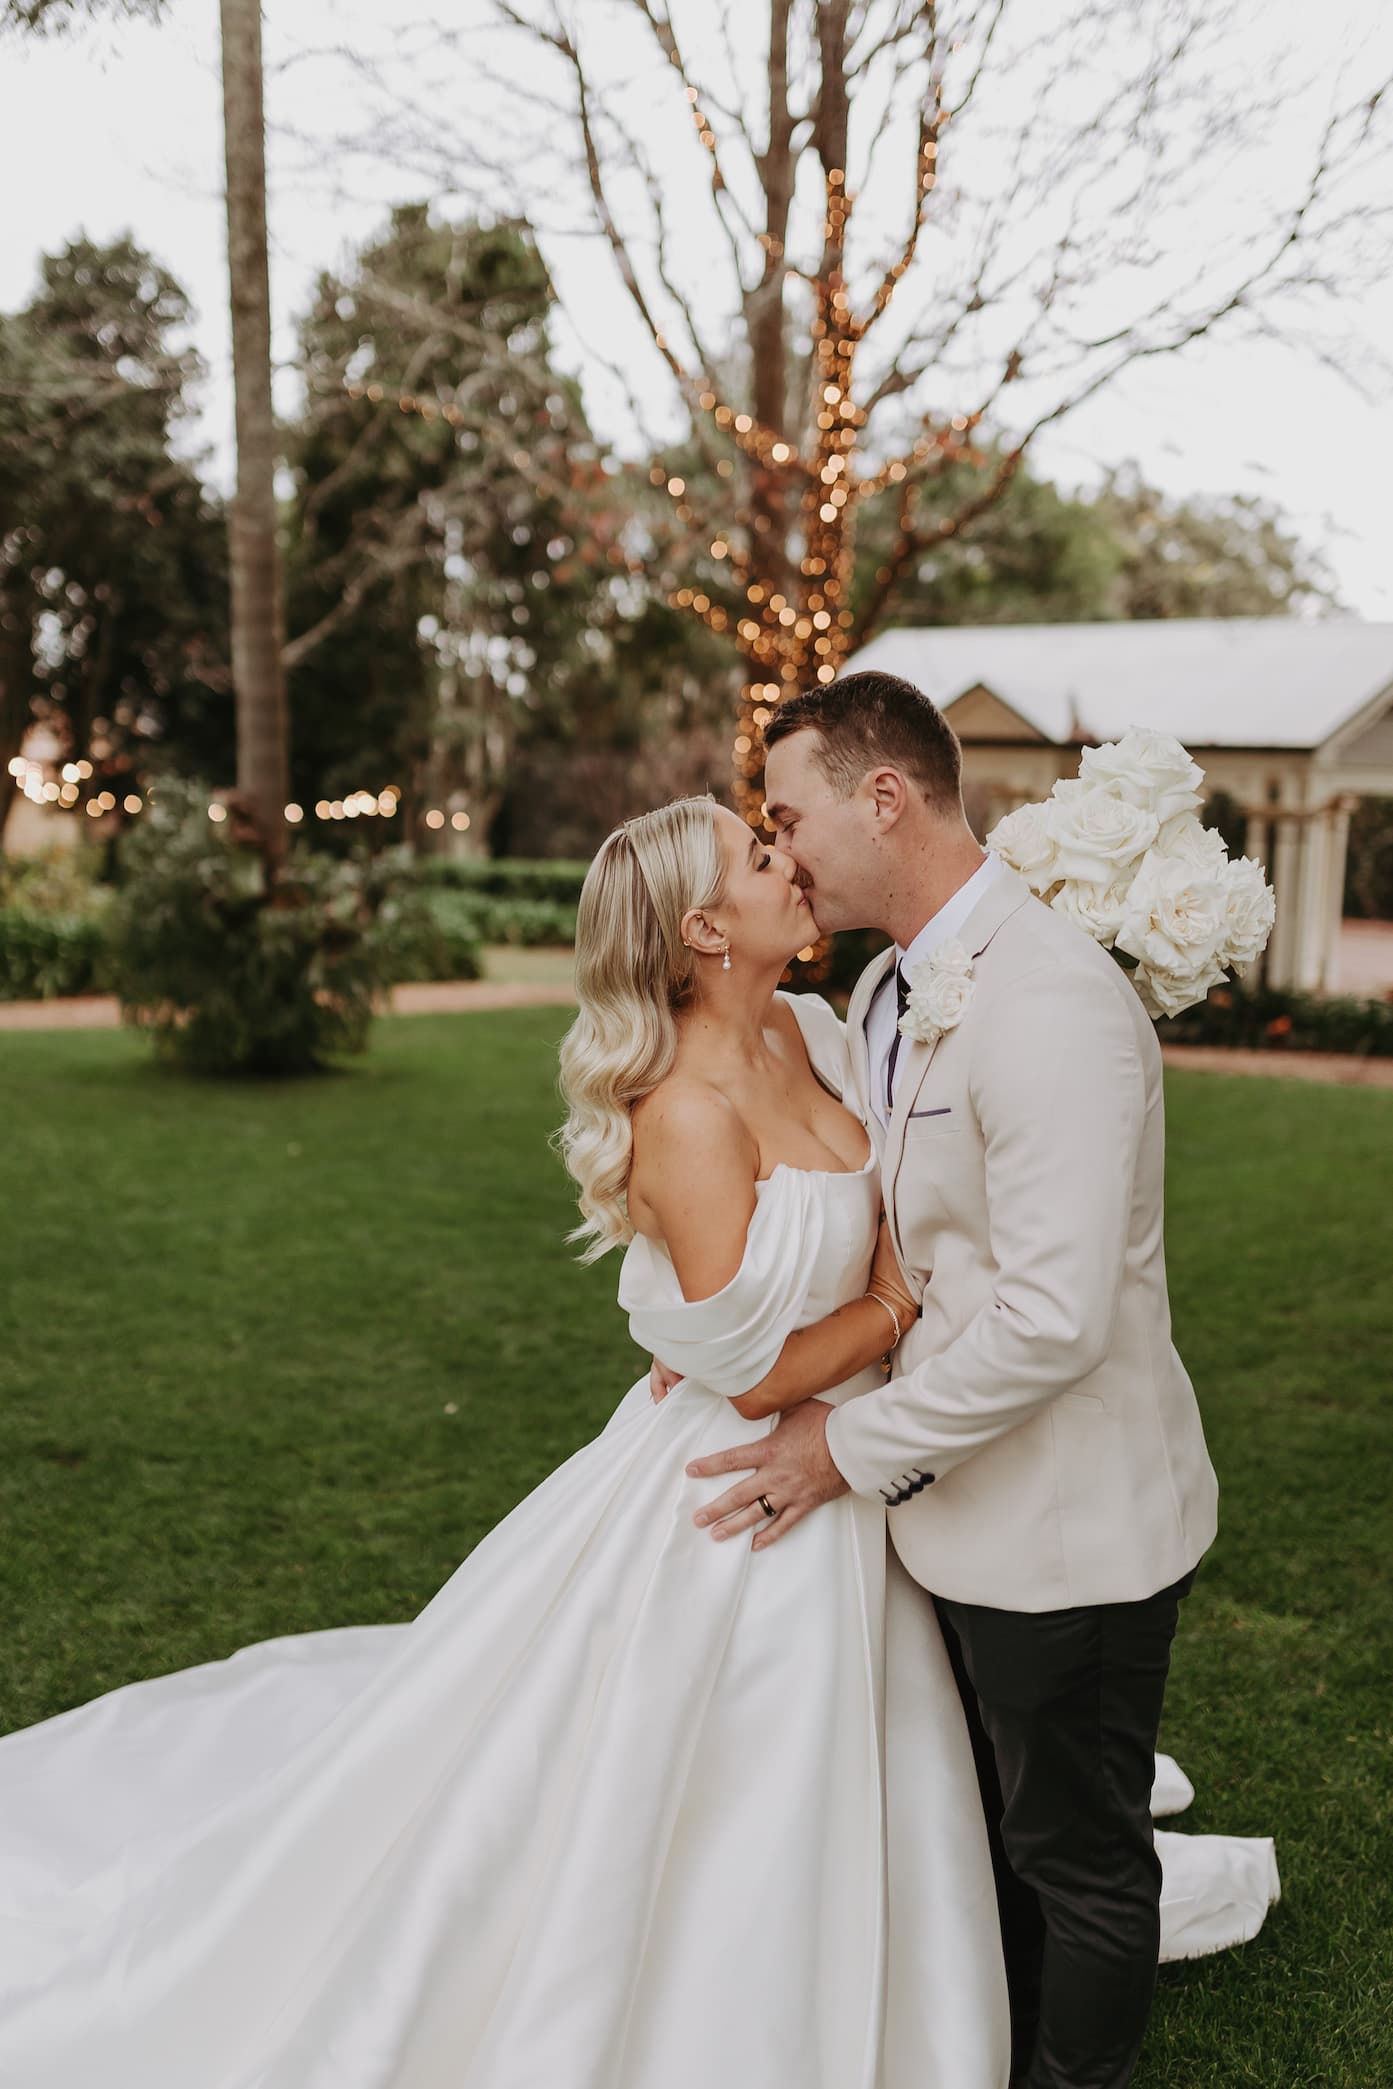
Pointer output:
885, 1359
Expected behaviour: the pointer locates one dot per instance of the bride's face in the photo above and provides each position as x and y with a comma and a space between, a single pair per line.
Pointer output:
763, 913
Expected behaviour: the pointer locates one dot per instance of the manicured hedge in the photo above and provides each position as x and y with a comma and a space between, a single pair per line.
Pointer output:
505, 877
1267, 1019
477, 918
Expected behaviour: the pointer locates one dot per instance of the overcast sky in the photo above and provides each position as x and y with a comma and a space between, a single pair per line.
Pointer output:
119, 130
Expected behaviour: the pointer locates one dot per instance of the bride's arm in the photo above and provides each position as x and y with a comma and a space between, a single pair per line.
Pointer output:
693, 1169
861, 1332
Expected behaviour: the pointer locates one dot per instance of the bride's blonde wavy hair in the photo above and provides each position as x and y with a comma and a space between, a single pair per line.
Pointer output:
633, 972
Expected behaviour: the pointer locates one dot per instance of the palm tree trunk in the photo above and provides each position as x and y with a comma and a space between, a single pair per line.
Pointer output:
257, 617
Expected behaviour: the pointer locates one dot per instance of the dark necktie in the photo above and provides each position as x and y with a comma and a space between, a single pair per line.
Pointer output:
901, 1004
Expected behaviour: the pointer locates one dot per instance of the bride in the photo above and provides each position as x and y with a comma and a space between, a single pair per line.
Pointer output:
622, 1808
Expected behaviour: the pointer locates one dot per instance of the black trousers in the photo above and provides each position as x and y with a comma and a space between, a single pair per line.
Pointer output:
1064, 1707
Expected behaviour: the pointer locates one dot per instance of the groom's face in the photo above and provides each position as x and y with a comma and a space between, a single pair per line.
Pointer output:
830, 839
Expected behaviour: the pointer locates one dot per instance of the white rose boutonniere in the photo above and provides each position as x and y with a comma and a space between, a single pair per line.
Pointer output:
939, 992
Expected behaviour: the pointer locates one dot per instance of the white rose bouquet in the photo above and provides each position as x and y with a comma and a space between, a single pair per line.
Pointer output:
1120, 851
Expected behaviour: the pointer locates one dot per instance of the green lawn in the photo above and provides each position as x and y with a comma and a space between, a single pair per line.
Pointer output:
275, 1356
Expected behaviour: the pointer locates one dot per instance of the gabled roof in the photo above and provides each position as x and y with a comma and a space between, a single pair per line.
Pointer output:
1212, 681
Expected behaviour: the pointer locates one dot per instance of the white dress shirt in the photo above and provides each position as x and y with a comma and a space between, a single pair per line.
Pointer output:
939, 928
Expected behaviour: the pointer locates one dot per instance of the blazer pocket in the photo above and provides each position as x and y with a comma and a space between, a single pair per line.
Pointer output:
946, 1111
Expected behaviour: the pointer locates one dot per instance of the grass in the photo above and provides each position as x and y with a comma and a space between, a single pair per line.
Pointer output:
275, 1356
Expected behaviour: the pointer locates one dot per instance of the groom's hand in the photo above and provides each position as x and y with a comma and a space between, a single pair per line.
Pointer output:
792, 1467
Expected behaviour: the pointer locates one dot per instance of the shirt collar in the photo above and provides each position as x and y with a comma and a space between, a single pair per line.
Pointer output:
952, 915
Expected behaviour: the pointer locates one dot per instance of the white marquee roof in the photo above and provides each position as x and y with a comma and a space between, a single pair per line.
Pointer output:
1270, 682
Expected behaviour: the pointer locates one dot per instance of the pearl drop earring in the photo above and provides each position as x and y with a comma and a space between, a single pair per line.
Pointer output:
725, 961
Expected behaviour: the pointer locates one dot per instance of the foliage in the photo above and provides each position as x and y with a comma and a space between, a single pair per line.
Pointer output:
233, 970
1039, 555
43, 954
838, 964
1369, 877
478, 918
59, 881
112, 556
1272, 1019
1230, 557
456, 575
452, 947
44, 17
505, 877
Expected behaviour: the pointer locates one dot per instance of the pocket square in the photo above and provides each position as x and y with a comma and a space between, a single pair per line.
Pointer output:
946, 1111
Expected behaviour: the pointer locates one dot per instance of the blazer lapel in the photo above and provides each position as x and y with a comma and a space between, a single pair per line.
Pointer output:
913, 1063
1008, 893
858, 1051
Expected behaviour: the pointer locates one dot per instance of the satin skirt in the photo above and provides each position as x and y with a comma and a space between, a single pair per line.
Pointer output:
623, 1808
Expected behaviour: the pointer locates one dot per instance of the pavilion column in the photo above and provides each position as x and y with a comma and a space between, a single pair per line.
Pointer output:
1339, 817
1312, 909
1257, 842
1286, 871
1257, 837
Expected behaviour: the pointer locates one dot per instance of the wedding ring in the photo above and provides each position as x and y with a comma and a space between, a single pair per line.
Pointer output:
767, 1505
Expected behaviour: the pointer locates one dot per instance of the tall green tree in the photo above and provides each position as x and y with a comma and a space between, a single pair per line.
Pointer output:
112, 559
1040, 555
466, 574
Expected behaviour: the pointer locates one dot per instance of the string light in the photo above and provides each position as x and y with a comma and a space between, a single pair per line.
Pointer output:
361, 804
791, 638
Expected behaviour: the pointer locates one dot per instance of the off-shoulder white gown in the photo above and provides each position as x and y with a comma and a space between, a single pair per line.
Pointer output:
622, 1808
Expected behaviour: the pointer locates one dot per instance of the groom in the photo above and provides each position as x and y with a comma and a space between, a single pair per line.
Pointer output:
1037, 1444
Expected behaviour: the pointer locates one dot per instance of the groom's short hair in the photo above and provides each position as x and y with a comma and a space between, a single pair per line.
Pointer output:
869, 719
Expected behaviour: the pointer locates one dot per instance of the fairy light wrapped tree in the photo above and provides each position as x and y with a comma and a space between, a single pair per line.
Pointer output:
824, 371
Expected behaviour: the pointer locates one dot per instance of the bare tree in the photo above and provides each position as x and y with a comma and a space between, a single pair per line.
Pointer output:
257, 634
1056, 170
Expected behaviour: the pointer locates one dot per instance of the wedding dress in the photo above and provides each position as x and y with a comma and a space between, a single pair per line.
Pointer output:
623, 1808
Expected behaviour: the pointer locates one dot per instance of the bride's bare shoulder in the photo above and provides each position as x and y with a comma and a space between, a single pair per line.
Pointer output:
692, 1180
685, 1111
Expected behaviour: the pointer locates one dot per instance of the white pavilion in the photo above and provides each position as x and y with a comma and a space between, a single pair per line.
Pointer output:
1292, 719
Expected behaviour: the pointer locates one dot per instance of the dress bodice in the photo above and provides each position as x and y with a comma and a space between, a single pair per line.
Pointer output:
808, 1251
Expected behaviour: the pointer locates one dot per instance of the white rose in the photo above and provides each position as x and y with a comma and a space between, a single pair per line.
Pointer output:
1096, 835
1023, 840
1176, 917
951, 956
1170, 993
939, 992
1148, 769
1251, 909
1191, 841
1097, 909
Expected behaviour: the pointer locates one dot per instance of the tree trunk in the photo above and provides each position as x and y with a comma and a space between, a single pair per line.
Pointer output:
263, 767
16, 718
765, 308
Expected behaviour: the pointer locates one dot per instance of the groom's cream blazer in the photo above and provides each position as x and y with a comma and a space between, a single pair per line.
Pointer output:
1038, 1442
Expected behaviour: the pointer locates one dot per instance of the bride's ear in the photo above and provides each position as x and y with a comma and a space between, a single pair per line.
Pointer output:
698, 934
